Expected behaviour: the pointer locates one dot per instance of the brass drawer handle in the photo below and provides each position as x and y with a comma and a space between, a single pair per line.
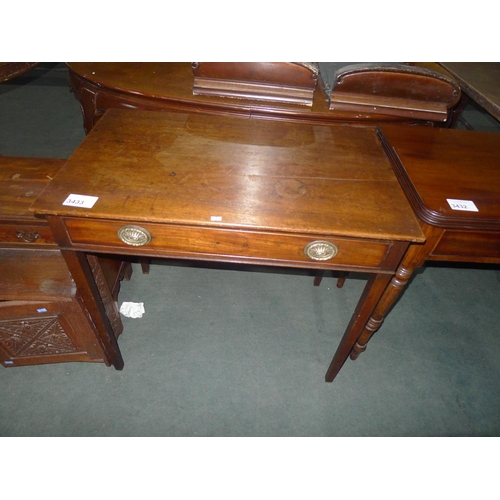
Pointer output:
321, 250
134, 235
28, 236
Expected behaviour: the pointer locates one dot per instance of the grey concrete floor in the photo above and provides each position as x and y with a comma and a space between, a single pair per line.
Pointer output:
227, 351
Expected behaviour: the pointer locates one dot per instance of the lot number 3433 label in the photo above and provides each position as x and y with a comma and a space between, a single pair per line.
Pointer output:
80, 200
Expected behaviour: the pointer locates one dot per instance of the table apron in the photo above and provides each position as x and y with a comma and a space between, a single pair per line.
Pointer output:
230, 245
468, 246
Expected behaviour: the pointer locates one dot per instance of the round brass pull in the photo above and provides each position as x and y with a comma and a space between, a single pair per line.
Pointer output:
321, 250
134, 235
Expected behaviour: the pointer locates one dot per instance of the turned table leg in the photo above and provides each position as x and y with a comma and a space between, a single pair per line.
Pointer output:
391, 294
414, 258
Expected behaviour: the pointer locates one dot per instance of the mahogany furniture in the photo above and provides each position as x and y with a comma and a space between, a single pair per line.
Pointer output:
171, 87
285, 82
452, 180
228, 189
392, 89
416, 93
479, 81
42, 315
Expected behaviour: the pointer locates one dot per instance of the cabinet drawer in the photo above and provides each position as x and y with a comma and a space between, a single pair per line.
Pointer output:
26, 234
210, 243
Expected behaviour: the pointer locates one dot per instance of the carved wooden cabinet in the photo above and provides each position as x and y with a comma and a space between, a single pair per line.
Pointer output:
43, 319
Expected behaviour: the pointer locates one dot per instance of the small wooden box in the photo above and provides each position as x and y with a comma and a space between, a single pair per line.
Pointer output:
42, 317
285, 82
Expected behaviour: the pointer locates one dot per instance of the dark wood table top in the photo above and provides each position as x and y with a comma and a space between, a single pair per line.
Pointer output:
437, 165
238, 173
480, 81
171, 85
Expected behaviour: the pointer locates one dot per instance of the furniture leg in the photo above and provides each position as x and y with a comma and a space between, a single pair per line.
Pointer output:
145, 265
391, 294
81, 271
374, 289
126, 273
414, 258
318, 276
341, 277
87, 101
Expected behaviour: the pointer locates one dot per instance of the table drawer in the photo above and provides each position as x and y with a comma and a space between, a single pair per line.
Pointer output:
209, 243
26, 234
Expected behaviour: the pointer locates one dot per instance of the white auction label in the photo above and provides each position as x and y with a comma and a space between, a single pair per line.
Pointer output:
466, 205
80, 200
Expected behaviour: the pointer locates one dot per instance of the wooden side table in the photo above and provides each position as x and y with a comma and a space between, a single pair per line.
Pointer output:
42, 316
452, 180
227, 189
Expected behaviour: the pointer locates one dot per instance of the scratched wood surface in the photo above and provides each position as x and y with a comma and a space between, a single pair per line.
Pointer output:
21, 182
235, 173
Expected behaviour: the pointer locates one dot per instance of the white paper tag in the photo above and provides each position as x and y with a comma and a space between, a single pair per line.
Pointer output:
216, 218
80, 200
466, 205
132, 309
